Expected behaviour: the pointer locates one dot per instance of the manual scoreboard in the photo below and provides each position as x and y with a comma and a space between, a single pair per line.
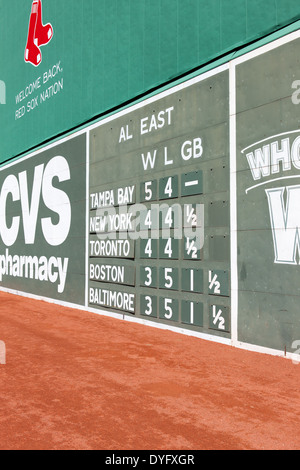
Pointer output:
159, 222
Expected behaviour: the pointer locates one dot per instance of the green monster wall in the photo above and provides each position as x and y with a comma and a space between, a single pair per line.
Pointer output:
149, 183
105, 53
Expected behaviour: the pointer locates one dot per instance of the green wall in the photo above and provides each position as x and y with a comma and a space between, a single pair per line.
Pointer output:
107, 52
268, 151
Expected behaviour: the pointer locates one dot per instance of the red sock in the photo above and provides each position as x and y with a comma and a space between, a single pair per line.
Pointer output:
43, 33
32, 51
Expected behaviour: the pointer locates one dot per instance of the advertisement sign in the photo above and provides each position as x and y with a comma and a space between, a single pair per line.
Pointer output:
66, 63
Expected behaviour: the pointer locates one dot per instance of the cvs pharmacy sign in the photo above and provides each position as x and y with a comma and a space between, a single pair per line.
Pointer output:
24, 196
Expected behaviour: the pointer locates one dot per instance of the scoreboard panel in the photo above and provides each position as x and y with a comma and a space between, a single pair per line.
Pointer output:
159, 222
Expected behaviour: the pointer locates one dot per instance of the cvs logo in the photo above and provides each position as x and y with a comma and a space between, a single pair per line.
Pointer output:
16, 188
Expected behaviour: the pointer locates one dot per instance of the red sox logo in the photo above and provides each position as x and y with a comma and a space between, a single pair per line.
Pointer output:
38, 35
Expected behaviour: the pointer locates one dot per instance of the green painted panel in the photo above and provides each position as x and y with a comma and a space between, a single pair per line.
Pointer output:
168, 309
170, 216
168, 278
149, 305
149, 249
148, 191
191, 183
168, 187
192, 280
149, 219
219, 318
268, 145
169, 248
190, 249
218, 283
148, 276
102, 271
193, 216
111, 297
218, 213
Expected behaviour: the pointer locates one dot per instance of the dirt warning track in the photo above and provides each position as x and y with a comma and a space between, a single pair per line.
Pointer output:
77, 380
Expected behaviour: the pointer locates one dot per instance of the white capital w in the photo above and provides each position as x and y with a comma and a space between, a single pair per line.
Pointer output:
285, 223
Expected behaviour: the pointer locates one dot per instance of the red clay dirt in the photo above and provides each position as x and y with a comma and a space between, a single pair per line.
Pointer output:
77, 380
